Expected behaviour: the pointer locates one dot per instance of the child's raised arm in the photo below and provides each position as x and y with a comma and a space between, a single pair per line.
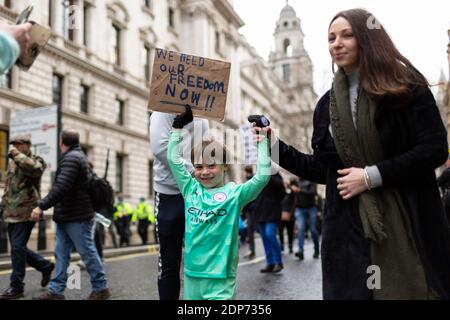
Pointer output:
252, 188
181, 174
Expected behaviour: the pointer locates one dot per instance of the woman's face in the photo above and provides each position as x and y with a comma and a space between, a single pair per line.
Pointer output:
343, 46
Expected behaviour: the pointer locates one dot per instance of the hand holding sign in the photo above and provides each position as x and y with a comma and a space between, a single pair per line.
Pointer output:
183, 119
179, 79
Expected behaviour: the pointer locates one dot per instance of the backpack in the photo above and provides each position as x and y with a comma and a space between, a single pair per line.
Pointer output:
100, 190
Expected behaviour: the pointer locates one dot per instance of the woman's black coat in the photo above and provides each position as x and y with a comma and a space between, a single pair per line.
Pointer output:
415, 143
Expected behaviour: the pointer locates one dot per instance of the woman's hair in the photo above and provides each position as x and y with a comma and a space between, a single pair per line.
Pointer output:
209, 152
382, 68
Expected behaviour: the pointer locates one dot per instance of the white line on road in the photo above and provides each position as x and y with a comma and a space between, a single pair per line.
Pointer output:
256, 260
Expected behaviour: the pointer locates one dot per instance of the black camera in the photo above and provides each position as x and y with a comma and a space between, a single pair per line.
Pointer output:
260, 120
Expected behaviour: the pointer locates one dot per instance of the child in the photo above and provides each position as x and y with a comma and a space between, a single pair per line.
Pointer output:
212, 213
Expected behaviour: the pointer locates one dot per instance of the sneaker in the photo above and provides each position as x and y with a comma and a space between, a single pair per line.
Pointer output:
11, 293
299, 255
50, 296
250, 255
316, 255
46, 275
268, 268
104, 294
291, 251
278, 268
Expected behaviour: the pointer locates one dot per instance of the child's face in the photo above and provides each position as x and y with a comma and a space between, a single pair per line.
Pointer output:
210, 175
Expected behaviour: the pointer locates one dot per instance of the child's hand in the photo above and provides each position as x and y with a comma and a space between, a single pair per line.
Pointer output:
184, 118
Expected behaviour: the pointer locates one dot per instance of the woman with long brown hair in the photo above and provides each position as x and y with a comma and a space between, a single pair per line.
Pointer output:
377, 140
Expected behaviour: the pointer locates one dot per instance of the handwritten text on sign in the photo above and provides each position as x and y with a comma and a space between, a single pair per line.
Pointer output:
179, 79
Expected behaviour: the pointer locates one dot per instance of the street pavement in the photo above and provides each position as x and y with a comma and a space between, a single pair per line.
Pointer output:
133, 277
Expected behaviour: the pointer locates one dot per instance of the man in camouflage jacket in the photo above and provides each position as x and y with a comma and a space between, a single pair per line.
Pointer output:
20, 197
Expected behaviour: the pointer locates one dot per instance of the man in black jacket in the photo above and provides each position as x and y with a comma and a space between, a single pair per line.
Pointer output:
74, 217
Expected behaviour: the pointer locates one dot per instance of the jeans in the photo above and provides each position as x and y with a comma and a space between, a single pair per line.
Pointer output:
19, 234
169, 214
272, 248
308, 216
80, 235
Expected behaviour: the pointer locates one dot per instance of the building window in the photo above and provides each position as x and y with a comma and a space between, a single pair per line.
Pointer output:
51, 13
65, 19
286, 73
5, 3
147, 60
287, 47
57, 89
119, 173
171, 18
119, 111
150, 178
217, 40
71, 13
115, 45
6, 80
86, 18
3, 153
84, 98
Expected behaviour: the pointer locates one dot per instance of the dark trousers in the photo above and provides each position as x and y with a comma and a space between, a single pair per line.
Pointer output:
19, 234
289, 226
143, 230
252, 227
112, 235
123, 229
169, 213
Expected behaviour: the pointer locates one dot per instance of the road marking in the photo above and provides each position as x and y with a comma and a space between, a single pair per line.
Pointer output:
151, 251
256, 260
130, 256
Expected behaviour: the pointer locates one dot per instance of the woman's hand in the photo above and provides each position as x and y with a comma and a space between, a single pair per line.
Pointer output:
351, 183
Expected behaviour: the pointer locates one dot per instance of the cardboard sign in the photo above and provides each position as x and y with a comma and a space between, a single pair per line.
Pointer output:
179, 79
39, 37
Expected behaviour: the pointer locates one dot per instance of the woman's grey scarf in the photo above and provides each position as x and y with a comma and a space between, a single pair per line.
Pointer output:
358, 147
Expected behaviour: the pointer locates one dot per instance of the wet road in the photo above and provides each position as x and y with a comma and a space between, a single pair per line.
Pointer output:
133, 277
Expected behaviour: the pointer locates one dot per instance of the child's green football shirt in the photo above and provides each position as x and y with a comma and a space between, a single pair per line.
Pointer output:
212, 215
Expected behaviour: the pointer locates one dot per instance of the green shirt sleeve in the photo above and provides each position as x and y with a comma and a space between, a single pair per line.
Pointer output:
9, 52
253, 187
182, 176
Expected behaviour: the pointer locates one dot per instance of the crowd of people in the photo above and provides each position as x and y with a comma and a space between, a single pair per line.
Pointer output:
377, 140
294, 206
